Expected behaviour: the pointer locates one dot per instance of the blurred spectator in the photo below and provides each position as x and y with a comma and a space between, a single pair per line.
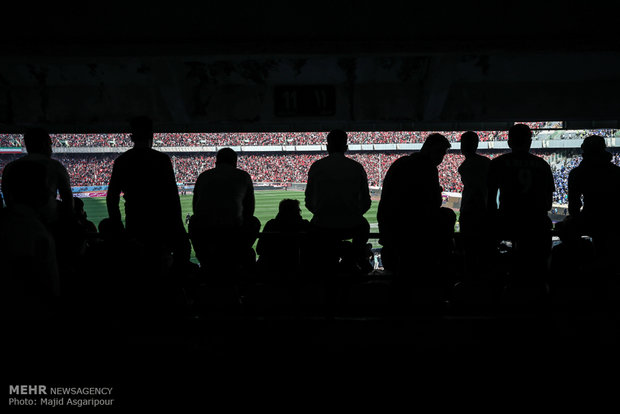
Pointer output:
82, 217
30, 276
39, 147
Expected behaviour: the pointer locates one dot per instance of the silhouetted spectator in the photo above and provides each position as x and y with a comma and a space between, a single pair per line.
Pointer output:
56, 215
415, 229
281, 248
525, 185
337, 195
596, 181
30, 277
39, 147
152, 205
121, 283
82, 217
473, 227
572, 259
223, 227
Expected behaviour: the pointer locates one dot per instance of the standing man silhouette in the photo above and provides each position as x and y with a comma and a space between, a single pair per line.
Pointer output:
39, 147
595, 180
337, 195
415, 229
152, 205
57, 216
223, 226
473, 212
525, 184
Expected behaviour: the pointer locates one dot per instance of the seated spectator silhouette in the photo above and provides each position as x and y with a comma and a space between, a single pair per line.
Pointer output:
594, 180
152, 205
572, 260
525, 184
416, 231
82, 217
30, 277
223, 228
473, 215
337, 195
282, 248
78, 234
115, 287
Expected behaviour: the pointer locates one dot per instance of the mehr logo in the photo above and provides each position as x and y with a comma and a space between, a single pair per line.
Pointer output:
27, 389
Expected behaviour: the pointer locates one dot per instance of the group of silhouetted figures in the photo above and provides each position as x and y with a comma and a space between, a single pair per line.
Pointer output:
56, 262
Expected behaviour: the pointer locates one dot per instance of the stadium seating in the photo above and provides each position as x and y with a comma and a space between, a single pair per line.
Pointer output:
278, 138
95, 170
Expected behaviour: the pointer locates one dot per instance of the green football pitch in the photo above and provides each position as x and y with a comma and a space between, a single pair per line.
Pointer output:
266, 207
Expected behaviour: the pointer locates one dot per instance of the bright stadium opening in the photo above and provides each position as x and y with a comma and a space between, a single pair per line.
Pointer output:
278, 162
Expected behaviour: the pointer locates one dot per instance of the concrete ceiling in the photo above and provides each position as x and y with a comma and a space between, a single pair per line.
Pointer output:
264, 66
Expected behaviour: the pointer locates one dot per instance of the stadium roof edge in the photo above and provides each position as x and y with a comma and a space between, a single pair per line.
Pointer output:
309, 126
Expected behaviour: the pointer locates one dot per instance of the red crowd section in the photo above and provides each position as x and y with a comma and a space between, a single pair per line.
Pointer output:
270, 138
244, 139
95, 170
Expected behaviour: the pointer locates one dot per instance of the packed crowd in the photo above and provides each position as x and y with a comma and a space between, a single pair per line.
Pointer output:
269, 138
543, 124
95, 170
243, 138
563, 167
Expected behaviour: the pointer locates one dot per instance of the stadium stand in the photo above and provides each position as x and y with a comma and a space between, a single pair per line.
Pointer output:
95, 169
289, 138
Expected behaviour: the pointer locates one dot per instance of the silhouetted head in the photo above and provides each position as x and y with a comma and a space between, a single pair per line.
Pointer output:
38, 141
435, 147
25, 183
520, 138
226, 156
337, 141
594, 147
593, 144
469, 143
289, 209
110, 228
78, 206
141, 129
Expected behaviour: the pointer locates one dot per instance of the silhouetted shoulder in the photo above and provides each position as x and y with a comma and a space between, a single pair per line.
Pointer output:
353, 163
500, 159
475, 163
575, 172
512, 160
400, 162
336, 158
224, 170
